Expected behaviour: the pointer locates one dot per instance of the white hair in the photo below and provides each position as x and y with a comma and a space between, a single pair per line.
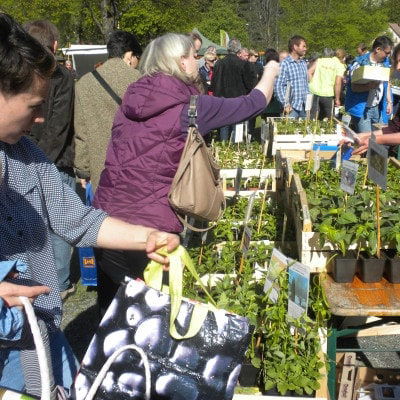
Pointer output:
164, 55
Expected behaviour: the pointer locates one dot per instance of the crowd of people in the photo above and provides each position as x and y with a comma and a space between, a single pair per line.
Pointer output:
123, 127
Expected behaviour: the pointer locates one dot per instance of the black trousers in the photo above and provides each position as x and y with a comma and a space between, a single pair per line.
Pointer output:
112, 267
323, 105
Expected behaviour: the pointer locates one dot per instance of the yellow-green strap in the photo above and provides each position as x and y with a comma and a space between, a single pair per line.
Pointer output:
153, 273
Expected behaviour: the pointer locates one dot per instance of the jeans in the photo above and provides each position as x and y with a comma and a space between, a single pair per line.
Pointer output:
297, 114
225, 132
64, 362
364, 124
62, 250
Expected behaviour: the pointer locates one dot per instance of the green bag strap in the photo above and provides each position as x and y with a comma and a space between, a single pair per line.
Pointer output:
178, 260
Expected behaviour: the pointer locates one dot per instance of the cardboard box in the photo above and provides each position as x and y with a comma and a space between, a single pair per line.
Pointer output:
370, 73
365, 377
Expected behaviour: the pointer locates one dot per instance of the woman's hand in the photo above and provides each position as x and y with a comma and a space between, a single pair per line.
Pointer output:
362, 144
10, 293
158, 239
272, 67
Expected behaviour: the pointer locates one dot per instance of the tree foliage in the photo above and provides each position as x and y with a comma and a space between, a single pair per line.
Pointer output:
332, 23
257, 23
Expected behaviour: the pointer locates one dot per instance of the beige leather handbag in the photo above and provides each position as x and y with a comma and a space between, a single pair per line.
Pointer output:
196, 189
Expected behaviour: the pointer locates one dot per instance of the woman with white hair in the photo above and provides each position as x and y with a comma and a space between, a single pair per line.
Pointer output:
148, 138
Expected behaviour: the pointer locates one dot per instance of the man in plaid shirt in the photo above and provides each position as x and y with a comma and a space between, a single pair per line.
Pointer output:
293, 73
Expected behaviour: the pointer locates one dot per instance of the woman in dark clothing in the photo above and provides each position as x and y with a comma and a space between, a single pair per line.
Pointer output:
148, 137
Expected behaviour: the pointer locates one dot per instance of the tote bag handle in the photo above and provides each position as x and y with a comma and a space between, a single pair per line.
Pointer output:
178, 260
102, 373
41, 353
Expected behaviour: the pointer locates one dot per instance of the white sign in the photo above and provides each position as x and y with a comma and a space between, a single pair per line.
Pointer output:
249, 208
239, 133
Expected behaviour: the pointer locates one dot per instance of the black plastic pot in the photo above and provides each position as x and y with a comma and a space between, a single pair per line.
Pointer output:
292, 393
344, 268
371, 268
273, 392
249, 375
392, 267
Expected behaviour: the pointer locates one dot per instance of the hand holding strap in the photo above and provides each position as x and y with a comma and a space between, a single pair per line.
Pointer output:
178, 259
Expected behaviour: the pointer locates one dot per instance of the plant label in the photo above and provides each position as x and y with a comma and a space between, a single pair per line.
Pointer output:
348, 176
277, 264
239, 131
348, 135
246, 239
317, 162
309, 101
264, 132
299, 288
238, 180
377, 163
204, 236
249, 208
288, 93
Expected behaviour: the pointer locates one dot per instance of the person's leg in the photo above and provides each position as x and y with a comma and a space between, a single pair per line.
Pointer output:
62, 250
113, 266
65, 364
11, 376
325, 107
293, 114
370, 116
314, 107
224, 133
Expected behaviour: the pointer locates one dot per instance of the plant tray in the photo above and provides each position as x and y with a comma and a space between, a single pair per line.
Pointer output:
368, 73
320, 394
275, 140
263, 174
309, 249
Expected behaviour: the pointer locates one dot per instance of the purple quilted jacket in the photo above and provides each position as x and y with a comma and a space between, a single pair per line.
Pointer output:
144, 152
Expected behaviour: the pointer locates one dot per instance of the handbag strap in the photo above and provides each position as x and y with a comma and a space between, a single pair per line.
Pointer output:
102, 373
41, 353
107, 87
192, 111
178, 260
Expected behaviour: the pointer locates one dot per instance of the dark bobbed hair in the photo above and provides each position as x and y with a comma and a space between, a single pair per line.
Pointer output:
271, 54
22, 58
382, 42
295, 40
45, 32
121, 42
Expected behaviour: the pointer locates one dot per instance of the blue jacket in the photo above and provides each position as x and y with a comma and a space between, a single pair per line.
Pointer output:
355, 102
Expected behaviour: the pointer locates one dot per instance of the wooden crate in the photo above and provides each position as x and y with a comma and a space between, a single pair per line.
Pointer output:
280, 141
270, 174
